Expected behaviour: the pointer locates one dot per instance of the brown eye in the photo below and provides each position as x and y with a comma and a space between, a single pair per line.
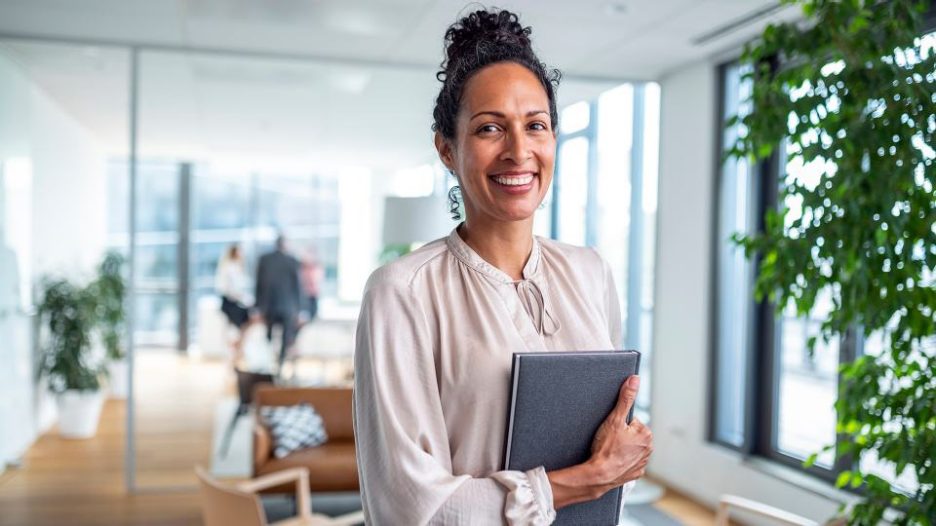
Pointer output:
539, 126
487, 128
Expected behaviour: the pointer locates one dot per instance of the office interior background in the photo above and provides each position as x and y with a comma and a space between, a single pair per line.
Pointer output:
187, 125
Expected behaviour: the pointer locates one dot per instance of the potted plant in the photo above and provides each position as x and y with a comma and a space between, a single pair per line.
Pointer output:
110, 290
850, 92
69, 313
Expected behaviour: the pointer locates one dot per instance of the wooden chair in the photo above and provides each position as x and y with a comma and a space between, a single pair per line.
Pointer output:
756, 508
239, 505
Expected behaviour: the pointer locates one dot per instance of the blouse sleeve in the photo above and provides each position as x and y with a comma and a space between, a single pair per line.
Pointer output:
403, 455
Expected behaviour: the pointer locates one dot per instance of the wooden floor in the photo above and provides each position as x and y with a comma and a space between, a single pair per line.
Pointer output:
80, 482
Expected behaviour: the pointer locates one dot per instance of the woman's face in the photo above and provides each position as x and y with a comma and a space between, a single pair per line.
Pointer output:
504, 148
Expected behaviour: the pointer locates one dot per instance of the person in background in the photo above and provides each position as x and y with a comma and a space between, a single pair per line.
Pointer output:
230, 283
279, 295
312, 273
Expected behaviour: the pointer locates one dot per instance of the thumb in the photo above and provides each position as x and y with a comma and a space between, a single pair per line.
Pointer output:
628, 395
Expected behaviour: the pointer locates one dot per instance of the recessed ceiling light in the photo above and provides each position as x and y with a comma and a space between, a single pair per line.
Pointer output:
616, 7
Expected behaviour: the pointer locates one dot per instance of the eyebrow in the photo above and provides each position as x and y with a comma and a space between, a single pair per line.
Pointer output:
503, 116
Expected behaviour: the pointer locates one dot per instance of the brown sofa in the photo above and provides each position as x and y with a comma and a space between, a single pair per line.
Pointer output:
332, 465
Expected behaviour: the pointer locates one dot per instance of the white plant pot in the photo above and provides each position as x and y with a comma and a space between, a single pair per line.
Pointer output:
79, 412
119, 379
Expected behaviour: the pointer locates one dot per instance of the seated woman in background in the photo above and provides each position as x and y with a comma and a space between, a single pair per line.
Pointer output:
438, 327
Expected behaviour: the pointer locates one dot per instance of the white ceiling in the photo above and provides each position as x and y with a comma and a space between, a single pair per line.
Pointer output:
326, 81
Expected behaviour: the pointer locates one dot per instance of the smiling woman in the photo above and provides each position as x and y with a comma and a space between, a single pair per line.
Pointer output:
438, 327
505, 153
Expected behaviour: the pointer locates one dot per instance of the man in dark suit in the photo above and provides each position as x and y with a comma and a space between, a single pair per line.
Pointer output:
279, 294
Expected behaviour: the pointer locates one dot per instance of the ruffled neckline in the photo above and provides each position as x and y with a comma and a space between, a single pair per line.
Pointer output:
471, 258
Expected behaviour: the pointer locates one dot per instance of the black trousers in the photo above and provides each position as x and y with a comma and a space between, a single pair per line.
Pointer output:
286, 320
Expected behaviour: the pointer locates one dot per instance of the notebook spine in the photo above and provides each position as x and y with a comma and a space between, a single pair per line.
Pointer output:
515, 372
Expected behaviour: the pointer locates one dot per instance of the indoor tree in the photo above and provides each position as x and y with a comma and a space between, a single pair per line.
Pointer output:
69, 311
847, 94
110, 288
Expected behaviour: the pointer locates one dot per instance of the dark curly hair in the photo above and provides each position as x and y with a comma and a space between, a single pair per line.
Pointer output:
480, 39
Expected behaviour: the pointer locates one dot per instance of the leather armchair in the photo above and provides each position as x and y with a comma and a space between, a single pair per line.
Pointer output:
332, 466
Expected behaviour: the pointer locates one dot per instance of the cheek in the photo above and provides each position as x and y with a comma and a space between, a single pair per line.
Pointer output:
476, 157
547, 156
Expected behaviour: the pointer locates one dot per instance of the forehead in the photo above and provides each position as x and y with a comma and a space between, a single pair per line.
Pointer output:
503, 87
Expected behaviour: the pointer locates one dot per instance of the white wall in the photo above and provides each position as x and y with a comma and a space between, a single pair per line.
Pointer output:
69, 177
64, 223
683, 457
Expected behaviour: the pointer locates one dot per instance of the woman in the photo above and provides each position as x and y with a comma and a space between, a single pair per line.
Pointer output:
230, 283
438, 327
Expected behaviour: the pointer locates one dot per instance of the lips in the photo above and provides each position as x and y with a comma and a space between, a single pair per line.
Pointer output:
513, 180
514, 183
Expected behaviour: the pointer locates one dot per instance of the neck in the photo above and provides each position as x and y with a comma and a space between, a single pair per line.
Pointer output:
507, 246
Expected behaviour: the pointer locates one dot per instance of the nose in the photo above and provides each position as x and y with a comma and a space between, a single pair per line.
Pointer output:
517, 147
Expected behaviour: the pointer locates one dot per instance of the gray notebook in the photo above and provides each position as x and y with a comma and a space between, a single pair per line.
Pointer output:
559, 399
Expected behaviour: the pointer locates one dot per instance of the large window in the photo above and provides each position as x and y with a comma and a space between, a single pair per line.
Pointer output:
604, 196
192, 212
770, 395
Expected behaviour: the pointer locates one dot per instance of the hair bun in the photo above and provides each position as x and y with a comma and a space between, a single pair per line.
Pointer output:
482, 30
476, 41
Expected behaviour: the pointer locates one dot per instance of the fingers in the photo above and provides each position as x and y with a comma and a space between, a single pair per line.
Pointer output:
628, 395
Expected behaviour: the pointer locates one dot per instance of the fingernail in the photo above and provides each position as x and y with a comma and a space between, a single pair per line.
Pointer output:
633, 382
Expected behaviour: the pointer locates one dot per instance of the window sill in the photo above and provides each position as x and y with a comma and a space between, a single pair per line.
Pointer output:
798, 479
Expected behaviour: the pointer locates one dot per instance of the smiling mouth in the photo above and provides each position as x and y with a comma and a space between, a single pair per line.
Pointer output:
513, 180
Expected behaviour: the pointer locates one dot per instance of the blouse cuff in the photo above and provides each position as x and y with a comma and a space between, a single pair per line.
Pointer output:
529, 497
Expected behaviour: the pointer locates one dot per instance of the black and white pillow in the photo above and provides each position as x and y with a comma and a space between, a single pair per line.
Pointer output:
293, 427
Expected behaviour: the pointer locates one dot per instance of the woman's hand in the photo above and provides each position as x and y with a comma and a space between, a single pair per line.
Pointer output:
620, 452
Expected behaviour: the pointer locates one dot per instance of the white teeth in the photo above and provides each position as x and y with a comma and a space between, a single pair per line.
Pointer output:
514, 181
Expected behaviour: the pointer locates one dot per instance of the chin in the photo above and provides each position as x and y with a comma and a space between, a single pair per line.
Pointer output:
519, 214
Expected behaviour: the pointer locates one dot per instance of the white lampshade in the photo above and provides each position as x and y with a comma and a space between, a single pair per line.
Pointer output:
409, 220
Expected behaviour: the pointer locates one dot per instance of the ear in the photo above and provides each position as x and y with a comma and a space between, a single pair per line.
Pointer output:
446, 151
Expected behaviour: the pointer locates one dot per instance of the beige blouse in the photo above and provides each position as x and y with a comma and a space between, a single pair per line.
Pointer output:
432, 373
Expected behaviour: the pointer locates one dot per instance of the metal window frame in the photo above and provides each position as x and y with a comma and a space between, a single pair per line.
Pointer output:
755, 309
130, 449
184, 271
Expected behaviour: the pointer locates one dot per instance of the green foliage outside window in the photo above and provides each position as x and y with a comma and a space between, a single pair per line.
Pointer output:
850, 91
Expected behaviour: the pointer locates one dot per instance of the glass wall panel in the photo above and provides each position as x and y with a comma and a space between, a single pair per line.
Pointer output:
236, 150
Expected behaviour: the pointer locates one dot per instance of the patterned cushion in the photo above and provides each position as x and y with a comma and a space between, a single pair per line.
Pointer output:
293, 427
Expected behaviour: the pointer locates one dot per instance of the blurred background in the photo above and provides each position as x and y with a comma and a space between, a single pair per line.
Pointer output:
165, 132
